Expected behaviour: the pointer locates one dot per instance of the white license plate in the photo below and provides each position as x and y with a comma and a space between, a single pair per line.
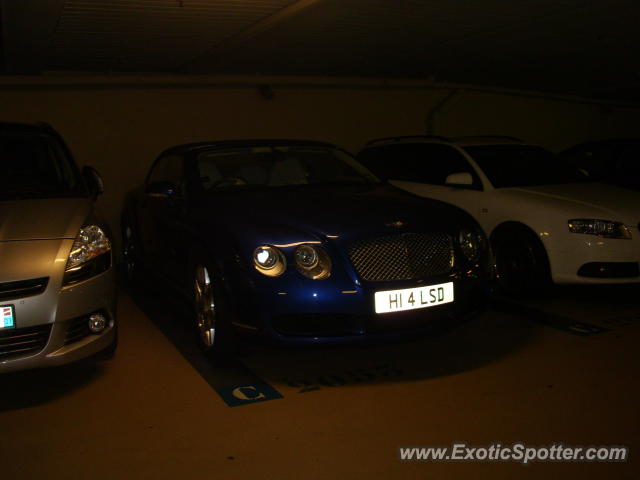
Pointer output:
413, 298
7, 316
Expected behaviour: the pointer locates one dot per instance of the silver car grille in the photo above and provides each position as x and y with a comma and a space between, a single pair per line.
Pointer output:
406, 256
21, 342
23, 288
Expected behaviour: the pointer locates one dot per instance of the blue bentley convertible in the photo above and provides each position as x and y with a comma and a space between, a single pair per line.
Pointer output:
298, 242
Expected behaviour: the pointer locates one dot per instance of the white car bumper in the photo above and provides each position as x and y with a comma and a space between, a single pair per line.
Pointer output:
588, 259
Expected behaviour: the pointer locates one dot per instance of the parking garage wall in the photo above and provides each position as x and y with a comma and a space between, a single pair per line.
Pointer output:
120, 125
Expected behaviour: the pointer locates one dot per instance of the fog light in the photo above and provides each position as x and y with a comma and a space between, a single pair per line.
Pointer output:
97, 323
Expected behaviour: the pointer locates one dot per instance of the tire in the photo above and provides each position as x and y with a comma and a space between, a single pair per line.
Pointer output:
522, 264
211, 316
130, 255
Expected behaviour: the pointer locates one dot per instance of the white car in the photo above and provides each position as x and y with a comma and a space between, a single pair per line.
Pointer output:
545, 219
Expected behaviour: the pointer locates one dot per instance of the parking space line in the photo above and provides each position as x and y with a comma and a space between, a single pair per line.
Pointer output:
232, 380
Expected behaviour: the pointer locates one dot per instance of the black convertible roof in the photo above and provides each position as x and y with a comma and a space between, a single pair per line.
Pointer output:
199, 146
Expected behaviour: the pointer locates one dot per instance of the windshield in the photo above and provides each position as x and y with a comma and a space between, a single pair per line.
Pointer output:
523, 166
33, 165
279, 166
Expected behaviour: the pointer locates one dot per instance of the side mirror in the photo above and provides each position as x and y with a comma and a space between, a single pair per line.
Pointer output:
459, 178
161, 189
93, 180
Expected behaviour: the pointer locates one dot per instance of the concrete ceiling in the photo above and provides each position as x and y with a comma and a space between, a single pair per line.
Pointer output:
575, 47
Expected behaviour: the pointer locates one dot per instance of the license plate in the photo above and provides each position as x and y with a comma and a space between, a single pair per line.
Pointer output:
413, 298
7, 316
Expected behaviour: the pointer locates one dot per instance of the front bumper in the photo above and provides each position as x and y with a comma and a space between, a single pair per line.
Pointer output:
58, 314
318, 312
578, 260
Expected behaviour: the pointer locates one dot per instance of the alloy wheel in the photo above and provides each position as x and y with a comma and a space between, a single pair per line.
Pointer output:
205, 306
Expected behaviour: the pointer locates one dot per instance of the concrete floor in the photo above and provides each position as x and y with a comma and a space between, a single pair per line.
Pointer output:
522, 372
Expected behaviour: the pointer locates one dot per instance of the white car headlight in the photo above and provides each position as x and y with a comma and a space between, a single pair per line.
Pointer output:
269, 261
602, 228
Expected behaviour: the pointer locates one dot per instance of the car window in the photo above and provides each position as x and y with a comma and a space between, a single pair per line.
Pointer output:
169, 169
523, 165
34, 165
279, 166
416, 162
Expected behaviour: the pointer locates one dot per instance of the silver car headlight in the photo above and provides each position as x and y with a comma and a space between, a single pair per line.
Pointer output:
602, 228
87, 257
312, 262
269, 261
471, 244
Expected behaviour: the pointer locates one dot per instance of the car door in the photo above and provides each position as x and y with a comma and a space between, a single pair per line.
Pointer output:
423, 169
163, 212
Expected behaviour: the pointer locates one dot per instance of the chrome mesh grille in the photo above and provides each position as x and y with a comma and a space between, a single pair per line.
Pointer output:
407, 256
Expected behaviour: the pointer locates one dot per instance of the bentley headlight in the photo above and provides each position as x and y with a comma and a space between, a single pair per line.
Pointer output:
602, 228
471, 244
312, 262
269, 261
89, 256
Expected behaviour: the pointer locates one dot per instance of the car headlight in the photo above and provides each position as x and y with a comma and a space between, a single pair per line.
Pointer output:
602, 228
87, 257
312, 262
269, 261
471, 244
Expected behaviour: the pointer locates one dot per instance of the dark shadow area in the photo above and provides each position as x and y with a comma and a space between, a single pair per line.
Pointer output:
506, 327
37, 387
486, 339
615, 295
483, 340
579, 309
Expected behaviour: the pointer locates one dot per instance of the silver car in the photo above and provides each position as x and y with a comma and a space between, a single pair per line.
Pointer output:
57, 281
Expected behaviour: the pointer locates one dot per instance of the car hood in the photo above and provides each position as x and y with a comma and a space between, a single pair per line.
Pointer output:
42, 219
340, 214
618, 203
